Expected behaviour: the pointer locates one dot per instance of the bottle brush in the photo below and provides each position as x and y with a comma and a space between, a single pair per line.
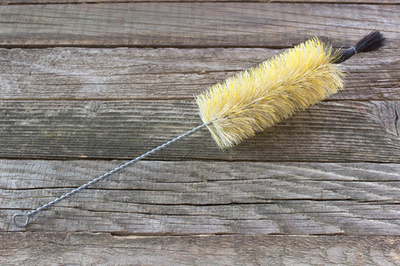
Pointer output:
258, 98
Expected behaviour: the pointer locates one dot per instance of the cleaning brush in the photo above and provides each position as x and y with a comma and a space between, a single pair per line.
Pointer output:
258, 98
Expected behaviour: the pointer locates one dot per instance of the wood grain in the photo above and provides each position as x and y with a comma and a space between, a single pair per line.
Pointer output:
35, 2
329, 132
107, 74
64, 248
321, 188
193, 24
202, 197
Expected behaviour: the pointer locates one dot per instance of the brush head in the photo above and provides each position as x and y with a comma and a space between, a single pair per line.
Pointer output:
262, 96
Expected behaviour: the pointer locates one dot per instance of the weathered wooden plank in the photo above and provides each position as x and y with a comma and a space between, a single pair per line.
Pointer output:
202, 197
34, 2
95, 74
329, 132
192, 24
105, 249
101, 129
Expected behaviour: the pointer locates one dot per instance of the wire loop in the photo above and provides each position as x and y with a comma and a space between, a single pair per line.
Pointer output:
18, 223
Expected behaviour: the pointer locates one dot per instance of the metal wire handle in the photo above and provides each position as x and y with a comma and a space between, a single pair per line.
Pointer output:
22, 219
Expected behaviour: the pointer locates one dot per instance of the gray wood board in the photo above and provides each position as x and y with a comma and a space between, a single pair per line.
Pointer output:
193, 24
328, 132
33, 2
91, 73
105, 249
203, 197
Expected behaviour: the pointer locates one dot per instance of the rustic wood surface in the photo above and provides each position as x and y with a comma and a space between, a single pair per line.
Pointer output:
202, 197
18, 2
366, 131
85, 87
165, 74
105, 249
193, 24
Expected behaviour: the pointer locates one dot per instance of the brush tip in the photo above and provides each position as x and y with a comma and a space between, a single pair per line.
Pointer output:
371, 42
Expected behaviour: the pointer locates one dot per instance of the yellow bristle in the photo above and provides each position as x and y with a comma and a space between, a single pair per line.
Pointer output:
260, 97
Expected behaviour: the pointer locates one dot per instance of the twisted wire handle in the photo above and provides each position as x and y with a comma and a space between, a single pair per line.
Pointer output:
25, 217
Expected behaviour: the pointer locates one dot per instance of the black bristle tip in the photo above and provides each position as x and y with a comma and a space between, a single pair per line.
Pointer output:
371, 42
